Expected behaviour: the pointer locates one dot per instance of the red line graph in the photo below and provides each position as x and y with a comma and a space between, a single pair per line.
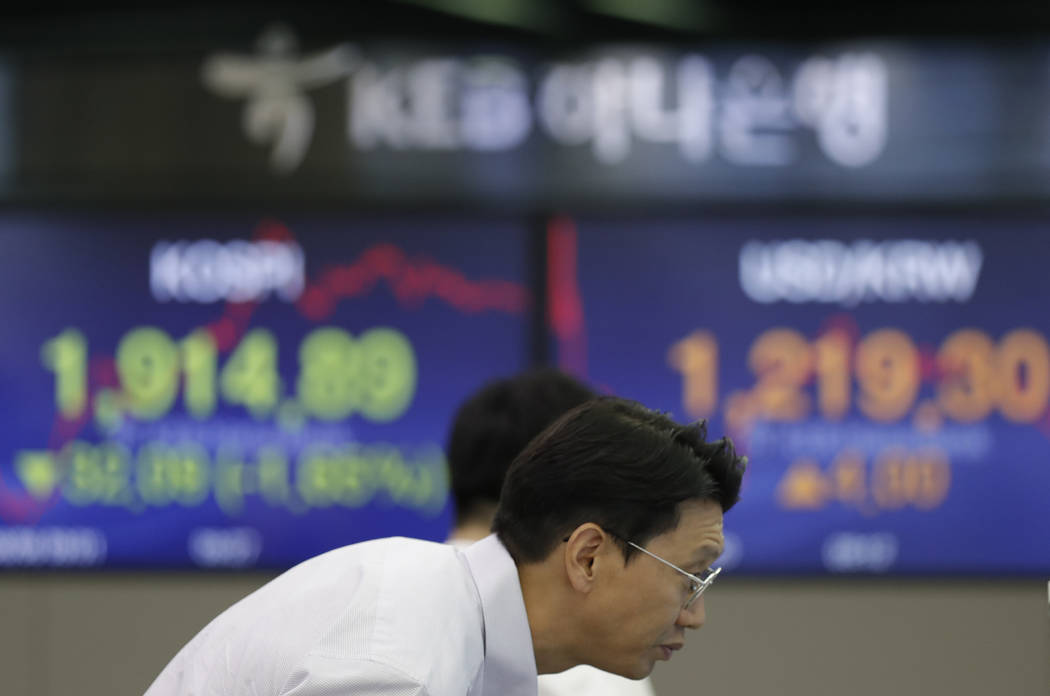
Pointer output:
566, 316
411, 280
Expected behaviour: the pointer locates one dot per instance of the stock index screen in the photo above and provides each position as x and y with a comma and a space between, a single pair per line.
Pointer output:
233, 391
888, 377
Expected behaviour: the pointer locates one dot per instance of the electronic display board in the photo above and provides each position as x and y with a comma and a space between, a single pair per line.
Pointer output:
233, 391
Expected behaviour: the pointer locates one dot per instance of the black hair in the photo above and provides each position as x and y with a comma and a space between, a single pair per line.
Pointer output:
615, 463
495, 424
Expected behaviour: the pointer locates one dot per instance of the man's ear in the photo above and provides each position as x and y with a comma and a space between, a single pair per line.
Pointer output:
581, 551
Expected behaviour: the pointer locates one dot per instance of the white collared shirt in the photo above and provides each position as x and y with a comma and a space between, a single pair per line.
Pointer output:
590, 681
583, 680
398, 617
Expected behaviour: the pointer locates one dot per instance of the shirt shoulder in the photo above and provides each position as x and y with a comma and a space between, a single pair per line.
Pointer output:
405, 604
420, 616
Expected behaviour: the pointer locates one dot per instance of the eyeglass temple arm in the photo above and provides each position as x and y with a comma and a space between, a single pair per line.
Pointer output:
683, 572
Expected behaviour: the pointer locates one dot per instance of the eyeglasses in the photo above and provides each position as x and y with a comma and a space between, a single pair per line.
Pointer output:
697, 584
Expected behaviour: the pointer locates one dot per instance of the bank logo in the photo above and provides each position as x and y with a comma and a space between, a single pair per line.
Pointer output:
274, 81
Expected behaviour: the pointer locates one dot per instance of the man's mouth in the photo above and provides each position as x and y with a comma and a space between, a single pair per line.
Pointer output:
669, 648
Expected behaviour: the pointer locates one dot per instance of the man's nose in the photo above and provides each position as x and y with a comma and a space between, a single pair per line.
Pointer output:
693, 616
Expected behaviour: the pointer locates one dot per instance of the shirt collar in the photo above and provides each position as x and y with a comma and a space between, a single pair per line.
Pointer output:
510, 665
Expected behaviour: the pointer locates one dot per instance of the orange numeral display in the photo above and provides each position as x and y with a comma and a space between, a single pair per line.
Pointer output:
895, 479
881, 375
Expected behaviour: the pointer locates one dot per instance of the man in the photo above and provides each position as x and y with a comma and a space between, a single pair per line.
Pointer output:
604, 535
489, 430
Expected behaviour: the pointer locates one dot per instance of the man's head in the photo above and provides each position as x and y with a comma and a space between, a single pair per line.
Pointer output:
607, 478
494, 425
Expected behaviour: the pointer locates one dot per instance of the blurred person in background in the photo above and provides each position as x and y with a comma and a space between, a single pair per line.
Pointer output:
489, 430
604, 536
